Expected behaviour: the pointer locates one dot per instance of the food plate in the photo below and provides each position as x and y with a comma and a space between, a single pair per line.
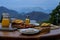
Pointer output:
36, 24
29, 31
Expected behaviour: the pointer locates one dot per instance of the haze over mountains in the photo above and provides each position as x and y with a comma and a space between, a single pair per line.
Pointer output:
34, 15
30, 9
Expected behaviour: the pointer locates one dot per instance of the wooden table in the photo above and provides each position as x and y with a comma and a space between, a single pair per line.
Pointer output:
53, 34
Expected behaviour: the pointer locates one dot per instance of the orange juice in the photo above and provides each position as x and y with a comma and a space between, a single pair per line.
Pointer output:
27, 21
5, 23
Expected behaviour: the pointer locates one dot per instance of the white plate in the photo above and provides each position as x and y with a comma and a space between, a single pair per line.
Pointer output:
29, 31
36, 24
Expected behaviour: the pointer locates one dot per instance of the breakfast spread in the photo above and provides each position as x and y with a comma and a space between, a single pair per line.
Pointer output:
25, 25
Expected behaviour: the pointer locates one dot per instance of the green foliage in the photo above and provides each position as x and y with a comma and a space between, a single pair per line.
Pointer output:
46, 21
53, 15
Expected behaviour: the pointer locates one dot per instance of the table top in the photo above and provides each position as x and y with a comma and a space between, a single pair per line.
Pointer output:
16, 34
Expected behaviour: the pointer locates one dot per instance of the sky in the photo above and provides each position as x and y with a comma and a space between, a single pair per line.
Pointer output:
17, 4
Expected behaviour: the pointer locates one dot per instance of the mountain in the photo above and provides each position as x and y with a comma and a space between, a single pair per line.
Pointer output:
34, 15
12, 13
39, 16
30, 9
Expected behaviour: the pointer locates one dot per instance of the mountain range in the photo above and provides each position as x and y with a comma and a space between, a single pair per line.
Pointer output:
33, 15
30, 9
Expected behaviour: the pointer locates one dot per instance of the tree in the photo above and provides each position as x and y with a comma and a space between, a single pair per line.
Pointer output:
55, 15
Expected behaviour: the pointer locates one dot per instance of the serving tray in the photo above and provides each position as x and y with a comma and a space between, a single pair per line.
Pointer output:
8, 29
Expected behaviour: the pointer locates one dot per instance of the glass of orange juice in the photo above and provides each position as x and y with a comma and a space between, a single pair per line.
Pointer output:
5, 23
